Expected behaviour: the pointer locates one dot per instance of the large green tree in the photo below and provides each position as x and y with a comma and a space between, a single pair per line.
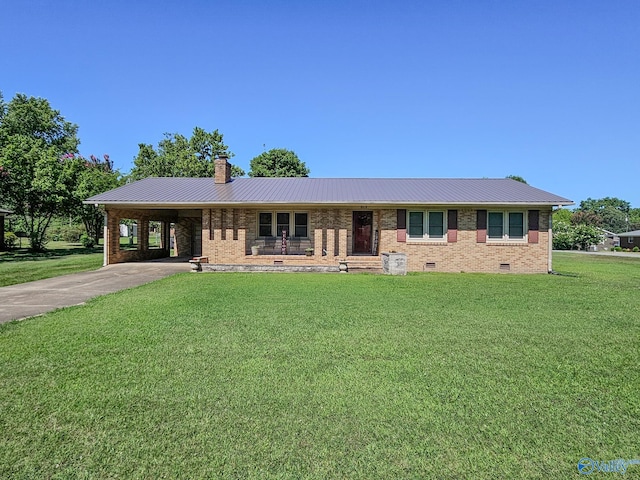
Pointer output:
278, 162
610, 213
35, 181
179, 156
517, 178
94, 176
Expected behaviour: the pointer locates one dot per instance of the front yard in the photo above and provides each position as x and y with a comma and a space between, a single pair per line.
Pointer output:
330, 376
60, 258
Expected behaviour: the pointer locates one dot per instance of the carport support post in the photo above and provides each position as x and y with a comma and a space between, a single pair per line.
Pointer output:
143, 235
166, 242
105, 241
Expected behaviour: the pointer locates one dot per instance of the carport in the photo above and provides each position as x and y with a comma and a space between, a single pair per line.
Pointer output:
186, 226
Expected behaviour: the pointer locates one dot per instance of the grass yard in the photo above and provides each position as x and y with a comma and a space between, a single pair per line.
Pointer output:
60, 258
330, 376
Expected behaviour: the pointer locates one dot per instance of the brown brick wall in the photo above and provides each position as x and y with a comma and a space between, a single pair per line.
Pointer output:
467, 255
627, 242
229, 233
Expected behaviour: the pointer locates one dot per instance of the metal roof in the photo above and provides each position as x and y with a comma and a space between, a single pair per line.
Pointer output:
173, 191
635, 233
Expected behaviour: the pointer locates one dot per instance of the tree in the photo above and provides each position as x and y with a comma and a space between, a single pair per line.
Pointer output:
278, 162
94, 176
517, 178
600, 203
179, 156
568, 237
236, 171
561, 215
634, 219
586, 235
35, 182
611, 213
562, 235
585, 217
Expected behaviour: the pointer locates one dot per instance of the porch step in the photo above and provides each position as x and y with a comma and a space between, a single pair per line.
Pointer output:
210, 267
361, 266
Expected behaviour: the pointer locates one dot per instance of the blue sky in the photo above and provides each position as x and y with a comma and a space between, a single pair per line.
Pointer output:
548, 90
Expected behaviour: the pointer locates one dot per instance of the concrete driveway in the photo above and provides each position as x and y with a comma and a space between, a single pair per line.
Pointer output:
35, 298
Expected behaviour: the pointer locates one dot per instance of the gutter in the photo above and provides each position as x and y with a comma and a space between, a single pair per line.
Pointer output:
352, 203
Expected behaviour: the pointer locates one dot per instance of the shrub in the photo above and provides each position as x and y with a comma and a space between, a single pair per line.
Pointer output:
636, 249
10, 240
72, 234
66, 233
87, 241
562, 236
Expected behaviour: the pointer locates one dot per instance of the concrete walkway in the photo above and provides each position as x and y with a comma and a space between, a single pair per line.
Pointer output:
42, 296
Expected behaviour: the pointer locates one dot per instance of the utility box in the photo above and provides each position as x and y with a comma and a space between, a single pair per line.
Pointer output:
394, 263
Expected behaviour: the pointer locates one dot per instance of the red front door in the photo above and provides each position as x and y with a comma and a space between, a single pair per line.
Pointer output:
362, 229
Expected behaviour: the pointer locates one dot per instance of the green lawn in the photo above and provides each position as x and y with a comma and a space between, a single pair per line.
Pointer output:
60, 258
330, 376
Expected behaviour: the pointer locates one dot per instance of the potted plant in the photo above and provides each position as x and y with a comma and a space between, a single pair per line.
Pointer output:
255, 250
308, 251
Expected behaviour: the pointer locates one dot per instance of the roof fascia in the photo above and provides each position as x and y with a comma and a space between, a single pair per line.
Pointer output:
360, 205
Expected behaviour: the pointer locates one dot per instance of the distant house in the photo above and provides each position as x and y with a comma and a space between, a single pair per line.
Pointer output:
609, 240
448, 225
630, 239
3, 213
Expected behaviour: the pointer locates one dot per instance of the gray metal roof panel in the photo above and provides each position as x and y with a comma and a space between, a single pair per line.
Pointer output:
169, 190
635, 233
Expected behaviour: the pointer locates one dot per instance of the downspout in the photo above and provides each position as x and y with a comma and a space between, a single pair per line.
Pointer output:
105, 246
550, 242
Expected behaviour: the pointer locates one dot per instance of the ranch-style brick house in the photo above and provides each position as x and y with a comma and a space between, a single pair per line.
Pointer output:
630, 239
446, 225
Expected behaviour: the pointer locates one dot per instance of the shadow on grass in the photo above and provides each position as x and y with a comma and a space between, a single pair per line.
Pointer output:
24, 254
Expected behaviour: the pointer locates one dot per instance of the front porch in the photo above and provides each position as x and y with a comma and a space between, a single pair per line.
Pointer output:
296, 263
231, 236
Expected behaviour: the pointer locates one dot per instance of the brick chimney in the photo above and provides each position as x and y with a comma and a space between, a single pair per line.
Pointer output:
223, 169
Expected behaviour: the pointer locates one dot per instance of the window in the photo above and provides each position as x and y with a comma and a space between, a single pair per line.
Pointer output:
426, 225
416, 224
301, 222
283, 224
436, 224
267, 228
495, 227
264, 228
516, 225
506, 225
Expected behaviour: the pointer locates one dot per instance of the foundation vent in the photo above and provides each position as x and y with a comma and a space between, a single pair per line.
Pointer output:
505, 266
430, 266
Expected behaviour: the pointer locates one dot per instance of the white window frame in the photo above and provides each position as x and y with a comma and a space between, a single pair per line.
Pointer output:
274, 222
505, 226
425, 237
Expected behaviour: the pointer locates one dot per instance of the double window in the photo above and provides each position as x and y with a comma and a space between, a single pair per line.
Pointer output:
505, 226
426, 225
272, 224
